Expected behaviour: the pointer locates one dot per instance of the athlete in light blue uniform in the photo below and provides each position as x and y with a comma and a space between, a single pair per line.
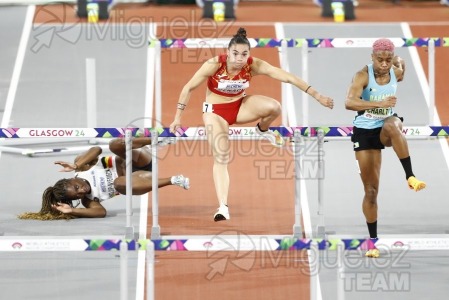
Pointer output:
374, 92
373, 95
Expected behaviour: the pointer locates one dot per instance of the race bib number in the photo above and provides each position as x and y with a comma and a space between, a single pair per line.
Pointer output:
378, 113
207, 107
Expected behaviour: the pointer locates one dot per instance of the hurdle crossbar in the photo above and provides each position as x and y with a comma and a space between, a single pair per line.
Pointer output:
269, 42
199, 133
223, 242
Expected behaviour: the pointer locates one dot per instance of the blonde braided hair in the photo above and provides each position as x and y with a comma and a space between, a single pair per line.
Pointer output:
52, 195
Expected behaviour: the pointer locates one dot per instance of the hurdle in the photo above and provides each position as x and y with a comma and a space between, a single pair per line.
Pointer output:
10, 146
316, 248
64, 244
236, 133
295, 133
346, 251
305, 44
264, 243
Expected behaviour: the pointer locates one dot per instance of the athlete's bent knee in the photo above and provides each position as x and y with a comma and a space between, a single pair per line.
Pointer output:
120, 185
391, 128
275, 107
116, 145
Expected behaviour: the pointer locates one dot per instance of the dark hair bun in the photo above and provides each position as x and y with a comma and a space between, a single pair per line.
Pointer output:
241, 32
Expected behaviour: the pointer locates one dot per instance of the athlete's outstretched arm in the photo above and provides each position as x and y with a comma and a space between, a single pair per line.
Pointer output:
83, 161
261, 67
93, 209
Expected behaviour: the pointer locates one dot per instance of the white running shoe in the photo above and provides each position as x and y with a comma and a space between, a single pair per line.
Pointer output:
181, 181
275, 138
162, 142
222, 214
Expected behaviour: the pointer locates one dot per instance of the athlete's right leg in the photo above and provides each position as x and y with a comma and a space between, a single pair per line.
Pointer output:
142, 182
217, 132
369, 162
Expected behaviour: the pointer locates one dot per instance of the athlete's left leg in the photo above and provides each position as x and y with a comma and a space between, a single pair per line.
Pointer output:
141, 154
257, 107
264, 109
391, 136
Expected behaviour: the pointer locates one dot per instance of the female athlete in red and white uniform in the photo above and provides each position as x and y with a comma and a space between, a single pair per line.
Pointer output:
226, 103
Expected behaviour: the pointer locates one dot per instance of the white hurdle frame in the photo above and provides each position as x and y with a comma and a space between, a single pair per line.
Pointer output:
155, 228
91, 93
305, 109
431, 57
297, 228
320, 230
431, 70
305, 77
129, 230
79, 245
91, 121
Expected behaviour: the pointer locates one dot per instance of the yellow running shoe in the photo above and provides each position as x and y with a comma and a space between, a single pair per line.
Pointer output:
374, 253
415, 184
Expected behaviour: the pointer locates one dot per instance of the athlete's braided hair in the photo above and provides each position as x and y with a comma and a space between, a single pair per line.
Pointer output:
51, 195
239, 38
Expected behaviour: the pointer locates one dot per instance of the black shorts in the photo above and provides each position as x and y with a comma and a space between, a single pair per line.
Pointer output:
148, 167
367, 139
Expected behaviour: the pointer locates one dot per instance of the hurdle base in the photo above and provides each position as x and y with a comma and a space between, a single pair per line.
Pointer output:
321, 232
155, 232
130, 234
297, 231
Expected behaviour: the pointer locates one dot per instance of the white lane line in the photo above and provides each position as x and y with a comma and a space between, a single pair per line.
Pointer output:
147, 123
319, 24
18, 66
425, 87
305, 211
